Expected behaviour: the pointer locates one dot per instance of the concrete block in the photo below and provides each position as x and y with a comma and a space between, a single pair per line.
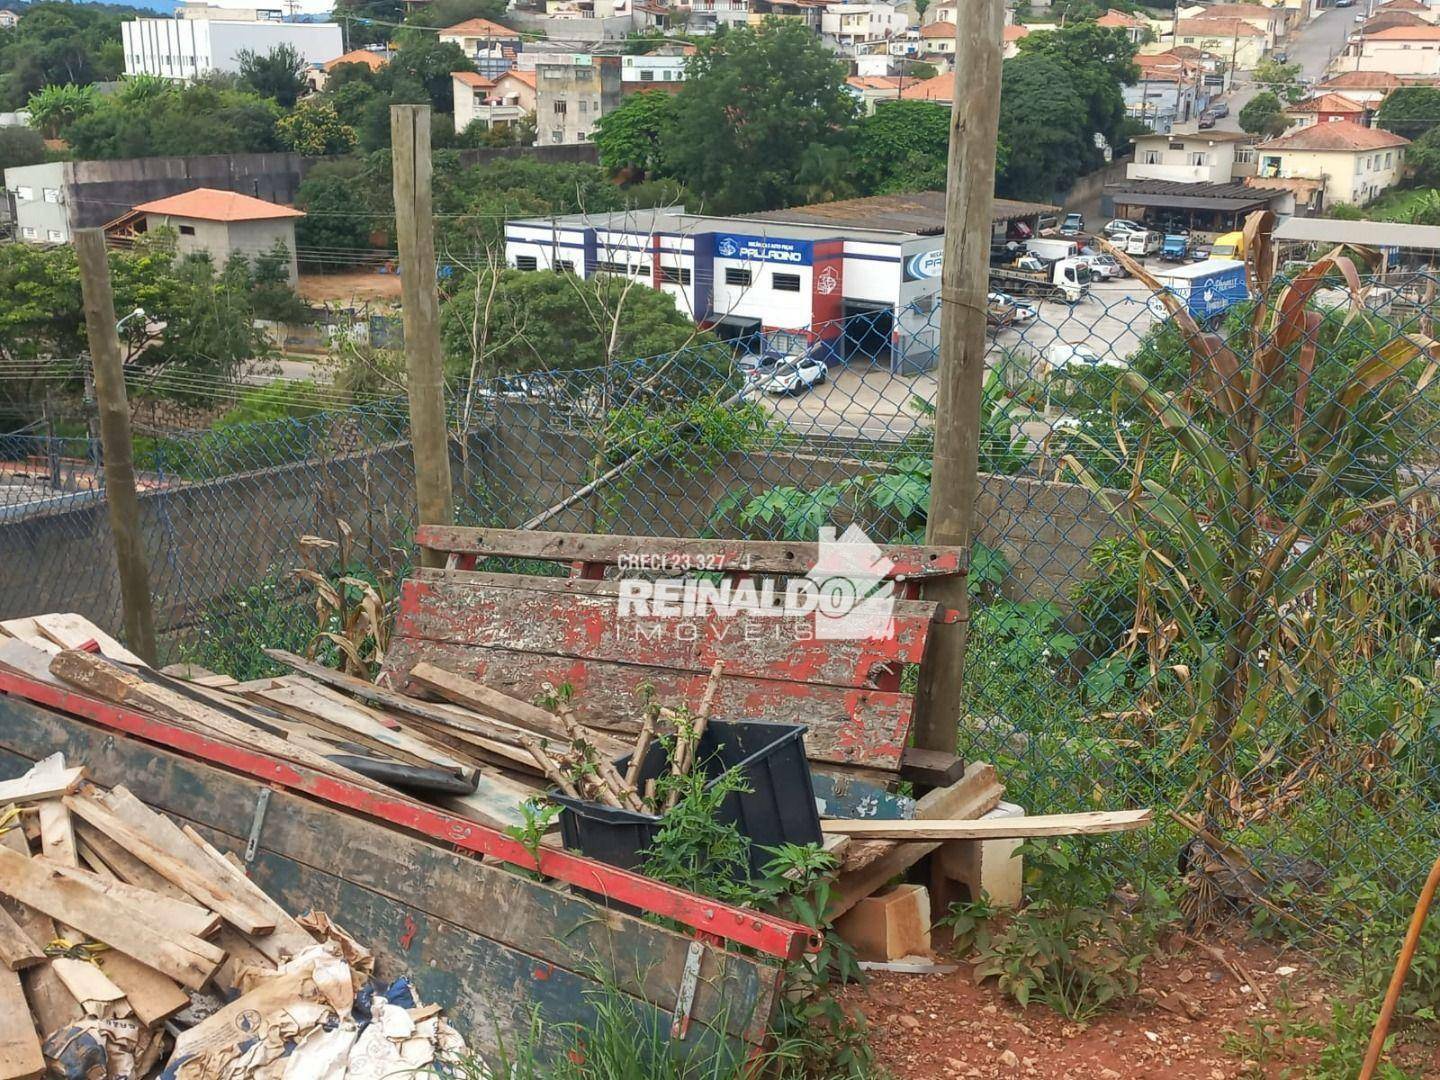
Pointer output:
889, 925
994, 867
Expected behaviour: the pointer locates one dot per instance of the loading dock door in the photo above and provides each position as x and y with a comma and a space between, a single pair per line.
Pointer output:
743, 334
868, 330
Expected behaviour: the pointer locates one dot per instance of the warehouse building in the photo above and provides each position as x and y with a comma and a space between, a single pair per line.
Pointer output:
860, 275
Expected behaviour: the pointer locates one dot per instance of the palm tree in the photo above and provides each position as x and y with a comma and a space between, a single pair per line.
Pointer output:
54, 108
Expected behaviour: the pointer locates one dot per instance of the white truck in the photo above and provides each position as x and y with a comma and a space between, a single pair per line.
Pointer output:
1031, 275
1140, 242
1050, 248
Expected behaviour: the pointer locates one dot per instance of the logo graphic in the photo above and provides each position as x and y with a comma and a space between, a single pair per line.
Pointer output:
855, 599
927, 264
727, 248
827, 281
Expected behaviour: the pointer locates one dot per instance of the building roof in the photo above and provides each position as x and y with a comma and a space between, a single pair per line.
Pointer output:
1406, 33
944, 29
941, 88
1113, 18
1362, 80
920, 212
473, 80
480, 28
1388, 20
1214, 135
208, 204
1402, 5
1180, 195
1217, 28
1344, 135
1362, 233
1241, 11
875, 82
374, 61
1327, 103
1014, 32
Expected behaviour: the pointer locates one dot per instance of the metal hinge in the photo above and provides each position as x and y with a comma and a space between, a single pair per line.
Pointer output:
689, 982
252, 845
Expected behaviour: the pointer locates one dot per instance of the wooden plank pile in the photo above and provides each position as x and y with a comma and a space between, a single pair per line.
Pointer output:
123, 933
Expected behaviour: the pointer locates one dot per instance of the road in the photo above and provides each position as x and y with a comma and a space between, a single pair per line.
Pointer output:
1311, 47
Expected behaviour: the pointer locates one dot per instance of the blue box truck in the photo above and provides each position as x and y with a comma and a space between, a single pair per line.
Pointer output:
1207, 289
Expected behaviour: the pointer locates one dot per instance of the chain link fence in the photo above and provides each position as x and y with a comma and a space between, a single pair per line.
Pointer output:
1205, 570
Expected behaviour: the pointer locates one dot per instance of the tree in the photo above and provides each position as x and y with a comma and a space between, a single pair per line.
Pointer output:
426, 61
53, 108
209, 116
755, 101
1098, 62
1282, 80
369, 22
902, 147
336, 222
1264, 115
443, 13
59, 43
278, 75
314, 129
1410, 111
632, 137
1423, 158
20, 146
1044, 125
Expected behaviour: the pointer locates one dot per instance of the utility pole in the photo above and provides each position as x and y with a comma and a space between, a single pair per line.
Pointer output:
109, 374
415, 231
964, 282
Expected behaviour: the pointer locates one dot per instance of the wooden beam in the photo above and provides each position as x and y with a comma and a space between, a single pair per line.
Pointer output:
34, 882
71, 631
48, 785
476, 695
17, 948
1007, 828
20, 1056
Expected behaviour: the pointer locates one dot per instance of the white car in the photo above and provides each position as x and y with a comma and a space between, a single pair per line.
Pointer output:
1122, 226
1107, 266
792, 374
1020, 310
1063, 355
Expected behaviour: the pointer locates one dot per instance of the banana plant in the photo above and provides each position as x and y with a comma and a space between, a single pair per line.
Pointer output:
1255, 491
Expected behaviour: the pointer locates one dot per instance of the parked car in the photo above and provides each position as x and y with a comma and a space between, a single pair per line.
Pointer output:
1064, 355
1280, 56
1219, 109
1073, 225
794, 374
1107, 266
1344, 3
1120, 226
1020, 310
1207, 121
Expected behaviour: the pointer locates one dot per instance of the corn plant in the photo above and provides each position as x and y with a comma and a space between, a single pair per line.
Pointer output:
1259, 460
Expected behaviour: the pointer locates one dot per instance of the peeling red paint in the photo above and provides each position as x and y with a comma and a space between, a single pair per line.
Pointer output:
411, 929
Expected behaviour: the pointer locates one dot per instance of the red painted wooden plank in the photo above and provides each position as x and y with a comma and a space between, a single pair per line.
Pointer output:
767, 933
676, 554
574, 624
846, 725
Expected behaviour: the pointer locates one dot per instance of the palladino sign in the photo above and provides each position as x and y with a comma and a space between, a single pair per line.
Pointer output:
924, 264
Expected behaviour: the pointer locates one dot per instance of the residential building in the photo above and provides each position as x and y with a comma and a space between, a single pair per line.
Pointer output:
1238, 42
1011, 36
1401, 50
1355, 163
50, 201
1170, 91
940, 89
189, 48
793, 275
871, 89
8, 19
937, 40
1389, 20
1418, 8
319, 74
1206, 157
1328, 109
1368, 88
659, 70
223, 223
1136, 28
494, 103
572, 91
706, 16
489, 45
1271, 20
851, 29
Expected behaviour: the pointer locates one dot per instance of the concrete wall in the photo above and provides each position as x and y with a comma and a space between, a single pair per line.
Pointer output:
204, 540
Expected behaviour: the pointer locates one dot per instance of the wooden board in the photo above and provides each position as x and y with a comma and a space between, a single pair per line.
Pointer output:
476, 695
52, 1004
70, 631
122, 926
491, 944
843, 725
1000, 828
49, 785
672, 554
183, 915
20, 1057
28, 658
88, 985
592, 627
17, 948
153, 997
127, 867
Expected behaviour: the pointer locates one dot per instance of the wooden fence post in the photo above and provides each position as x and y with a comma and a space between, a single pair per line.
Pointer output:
425, 377
109, 370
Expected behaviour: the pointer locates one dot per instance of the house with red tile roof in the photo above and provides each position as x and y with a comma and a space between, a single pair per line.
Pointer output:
1136, 29
223, 224
483, 41
1328, 108
1356, 163
1231, 38
1402, 50
499, 102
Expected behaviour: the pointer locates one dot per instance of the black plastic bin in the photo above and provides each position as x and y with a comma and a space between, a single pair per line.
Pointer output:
779, 808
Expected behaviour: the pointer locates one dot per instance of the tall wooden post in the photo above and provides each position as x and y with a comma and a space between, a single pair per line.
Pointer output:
964, 282
109, 370
425, 377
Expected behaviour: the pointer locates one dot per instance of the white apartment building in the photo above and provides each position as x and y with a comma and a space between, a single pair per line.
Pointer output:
707, 15
1401, 50
851, 29
189, 48
1208, 157
638, 71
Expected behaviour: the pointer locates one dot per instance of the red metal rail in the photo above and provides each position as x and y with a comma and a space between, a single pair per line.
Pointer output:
757, 930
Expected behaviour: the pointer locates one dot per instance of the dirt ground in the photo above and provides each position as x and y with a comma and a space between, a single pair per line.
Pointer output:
356, 287
1195, 1021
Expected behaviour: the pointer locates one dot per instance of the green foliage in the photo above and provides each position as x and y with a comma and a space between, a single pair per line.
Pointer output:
365, 20
694, 849
337, 220
443, 13
902, 147
1423, 158
1282, 80
314, 129
1411, 111
54, 108
278, 74
209, 116
1097, 62
1042, 120
20, 146
761, 119
633, 136
1264, 114
537, 818
418, 73
58, 43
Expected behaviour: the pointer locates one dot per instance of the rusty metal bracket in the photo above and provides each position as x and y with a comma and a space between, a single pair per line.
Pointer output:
689, 983
252, 845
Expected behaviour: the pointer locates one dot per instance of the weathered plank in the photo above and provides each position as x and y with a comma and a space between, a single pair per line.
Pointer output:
17, 948
47, 785
595, 627
843, 725
1000, 828
672, 554
491, 702
71, 631
53, 1005
20, 1057
543, 938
